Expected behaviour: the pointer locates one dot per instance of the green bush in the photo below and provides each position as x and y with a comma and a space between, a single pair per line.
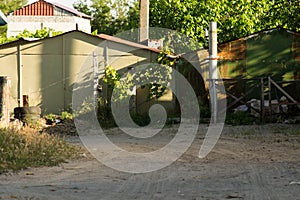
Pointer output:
29, 148
50, 118
66, 116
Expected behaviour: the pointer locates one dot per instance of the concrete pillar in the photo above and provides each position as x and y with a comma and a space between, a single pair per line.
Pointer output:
144, 21
20, 76
213, 68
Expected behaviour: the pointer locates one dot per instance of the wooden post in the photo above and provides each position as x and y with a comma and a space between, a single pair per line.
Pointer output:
213, 63
270, 95
105, 55
5, 94
262, 98
282, 90
25, 100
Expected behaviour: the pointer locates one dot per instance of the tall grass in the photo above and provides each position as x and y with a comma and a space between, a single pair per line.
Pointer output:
30, 148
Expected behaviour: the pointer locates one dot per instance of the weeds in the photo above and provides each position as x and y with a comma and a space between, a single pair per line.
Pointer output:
66, 116
29, 148
50, 118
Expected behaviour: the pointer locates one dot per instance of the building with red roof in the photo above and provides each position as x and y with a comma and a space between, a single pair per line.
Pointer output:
42, 14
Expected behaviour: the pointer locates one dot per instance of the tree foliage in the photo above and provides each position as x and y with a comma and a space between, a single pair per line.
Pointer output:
110, 17
7, 6
235, 18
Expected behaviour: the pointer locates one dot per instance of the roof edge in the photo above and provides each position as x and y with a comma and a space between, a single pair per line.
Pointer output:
100, 36
71, 10
127, 42
264, 31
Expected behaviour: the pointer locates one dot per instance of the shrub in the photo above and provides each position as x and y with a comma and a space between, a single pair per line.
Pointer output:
50, 118
66, 116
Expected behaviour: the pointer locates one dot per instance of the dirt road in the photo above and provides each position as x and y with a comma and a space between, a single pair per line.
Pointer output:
249, 162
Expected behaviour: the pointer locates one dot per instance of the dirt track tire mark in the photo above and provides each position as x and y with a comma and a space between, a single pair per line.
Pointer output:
260, 184
269, 182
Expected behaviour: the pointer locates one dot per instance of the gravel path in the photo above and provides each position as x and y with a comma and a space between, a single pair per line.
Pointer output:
254, 166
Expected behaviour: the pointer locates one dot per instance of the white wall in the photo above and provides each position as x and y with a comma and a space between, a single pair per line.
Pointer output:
17, 24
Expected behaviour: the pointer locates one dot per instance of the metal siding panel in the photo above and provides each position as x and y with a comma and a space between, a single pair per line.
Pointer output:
269, 54
235, 50
295, 50
233, 56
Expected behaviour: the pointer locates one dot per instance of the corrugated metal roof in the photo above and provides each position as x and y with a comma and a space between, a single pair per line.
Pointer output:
265, 31
44, 8
127, 42
3, 19
101, 36
39, 8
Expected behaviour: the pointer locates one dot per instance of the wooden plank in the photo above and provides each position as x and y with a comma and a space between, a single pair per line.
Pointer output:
270, 96
243, 102
282, 90
240, 100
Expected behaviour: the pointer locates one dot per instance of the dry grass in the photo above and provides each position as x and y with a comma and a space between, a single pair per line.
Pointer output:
31, 148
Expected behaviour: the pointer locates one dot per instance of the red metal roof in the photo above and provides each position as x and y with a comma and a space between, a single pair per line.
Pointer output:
44, 8
39, 8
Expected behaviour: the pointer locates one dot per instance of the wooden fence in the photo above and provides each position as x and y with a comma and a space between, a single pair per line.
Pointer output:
264, 87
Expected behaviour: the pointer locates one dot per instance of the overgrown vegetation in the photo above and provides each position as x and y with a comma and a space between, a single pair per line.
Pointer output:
113, 80
50, 118
159, 74
155, 77
66, 116
43, 33
31, 148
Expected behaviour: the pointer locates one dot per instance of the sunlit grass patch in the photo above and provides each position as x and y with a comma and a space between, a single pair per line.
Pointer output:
30, 148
